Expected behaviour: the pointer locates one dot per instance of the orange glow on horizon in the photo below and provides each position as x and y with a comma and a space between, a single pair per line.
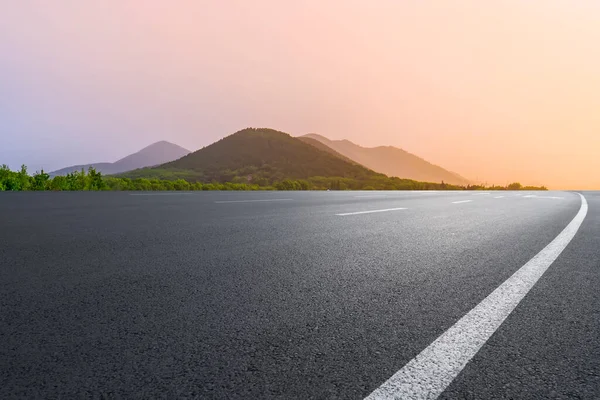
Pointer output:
500, 92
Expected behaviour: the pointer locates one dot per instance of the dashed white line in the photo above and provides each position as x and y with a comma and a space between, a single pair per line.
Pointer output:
371, 196
161, 194
499, 197
542, 197
370, 211
480, 194
428, 374
461, 201
249, 201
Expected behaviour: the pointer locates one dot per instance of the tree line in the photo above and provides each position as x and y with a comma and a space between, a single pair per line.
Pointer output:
92, 180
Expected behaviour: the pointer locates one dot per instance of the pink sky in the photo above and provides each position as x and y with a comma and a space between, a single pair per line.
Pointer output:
495, 90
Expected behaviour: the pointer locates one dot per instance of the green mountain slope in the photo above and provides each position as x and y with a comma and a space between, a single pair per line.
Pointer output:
391, 161
261, 156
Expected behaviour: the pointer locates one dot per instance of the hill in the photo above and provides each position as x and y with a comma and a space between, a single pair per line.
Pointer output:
259, 156
325, 148
391, 161
155, 154
251, 159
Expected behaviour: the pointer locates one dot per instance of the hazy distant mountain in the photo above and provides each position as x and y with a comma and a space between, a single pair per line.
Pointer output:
324, 147
155, 154
265, 155
391, 161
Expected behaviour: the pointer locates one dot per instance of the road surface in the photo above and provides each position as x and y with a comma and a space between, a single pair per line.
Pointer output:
308, 295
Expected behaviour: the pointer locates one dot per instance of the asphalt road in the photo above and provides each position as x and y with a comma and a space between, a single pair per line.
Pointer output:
324, 295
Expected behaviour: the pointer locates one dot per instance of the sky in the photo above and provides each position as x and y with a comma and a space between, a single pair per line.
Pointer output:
497, 91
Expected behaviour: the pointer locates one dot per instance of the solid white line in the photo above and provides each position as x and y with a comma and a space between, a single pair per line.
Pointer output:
480, 194
461, 201
499, 197
248, 201
371, 196
370, 211
428, 374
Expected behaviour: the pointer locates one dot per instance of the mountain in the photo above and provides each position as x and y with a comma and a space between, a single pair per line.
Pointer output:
323, 147
391, 161
155, 154
262, 156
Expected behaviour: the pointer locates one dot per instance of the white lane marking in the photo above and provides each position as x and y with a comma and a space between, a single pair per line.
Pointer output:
160, 194
542, 197
371, 196
249, 201
480, 194
499, 197
428, 374
370, 211
461, 201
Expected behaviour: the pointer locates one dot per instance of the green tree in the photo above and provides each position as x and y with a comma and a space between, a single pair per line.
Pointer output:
40, 181
515, 186
304, 184
75, 180
197, 186
94, 180
24, 179
10, 180
167, 185
58, 183
141, 184
181, 184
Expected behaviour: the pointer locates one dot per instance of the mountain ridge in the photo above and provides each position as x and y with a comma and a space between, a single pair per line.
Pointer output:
391, 161
323, 147
270, 159
154, 154
261, 155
